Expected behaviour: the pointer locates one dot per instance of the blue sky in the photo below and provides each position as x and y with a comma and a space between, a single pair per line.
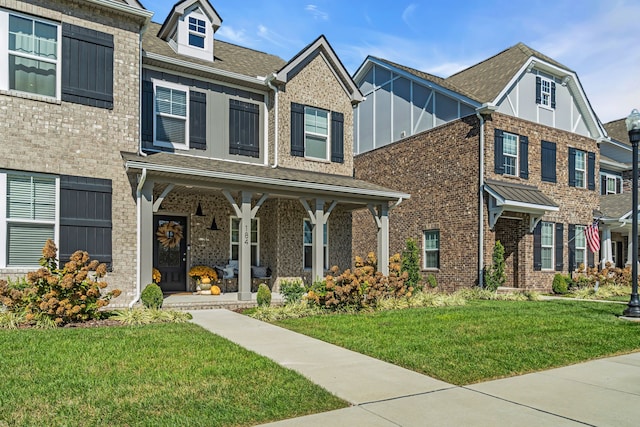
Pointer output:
599, 39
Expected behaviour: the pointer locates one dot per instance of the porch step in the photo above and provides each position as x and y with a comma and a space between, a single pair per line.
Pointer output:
229, 301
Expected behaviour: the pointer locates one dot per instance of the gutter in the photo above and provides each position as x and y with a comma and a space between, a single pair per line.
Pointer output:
269, 81
143, 178
147, 14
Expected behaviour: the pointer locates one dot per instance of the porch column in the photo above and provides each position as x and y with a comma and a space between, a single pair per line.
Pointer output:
145, 204
317, 250
381, 216
244, 250
606, 253
629, 251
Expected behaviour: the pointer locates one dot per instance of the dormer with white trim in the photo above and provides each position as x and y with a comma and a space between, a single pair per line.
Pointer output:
190, 27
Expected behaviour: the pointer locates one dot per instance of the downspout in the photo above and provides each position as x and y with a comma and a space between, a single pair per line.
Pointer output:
481, 206
143, 178
275, 118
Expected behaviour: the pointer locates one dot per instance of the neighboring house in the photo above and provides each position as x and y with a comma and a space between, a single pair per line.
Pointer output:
69, 79
504, 150
246, 160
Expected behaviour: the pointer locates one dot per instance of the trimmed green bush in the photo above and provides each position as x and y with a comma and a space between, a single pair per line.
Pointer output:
291, 291
264, 295
559, 284
432, 281
494, 275
152, 296
411, 263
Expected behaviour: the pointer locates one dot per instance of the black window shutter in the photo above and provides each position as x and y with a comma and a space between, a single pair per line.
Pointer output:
87, 66
591, 171
537, 247
548, 165
603, 185
498, 153
538, 90
618, 185
572, 247
297, 129
337, 137
524, 157
559, 247
197, 120
85, 217
244, 128
553, 95
572, 167
147, 111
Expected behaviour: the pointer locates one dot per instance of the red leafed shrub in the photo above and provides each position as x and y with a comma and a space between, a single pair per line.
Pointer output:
73, 293
361, 287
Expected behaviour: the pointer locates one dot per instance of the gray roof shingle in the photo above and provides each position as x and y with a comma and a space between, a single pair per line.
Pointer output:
616, 205
617, 130
520, 193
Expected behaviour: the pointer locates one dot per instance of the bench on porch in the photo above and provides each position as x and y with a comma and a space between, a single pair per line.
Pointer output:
229, 278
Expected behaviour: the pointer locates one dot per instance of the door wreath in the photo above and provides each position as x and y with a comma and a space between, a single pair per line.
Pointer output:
169, 234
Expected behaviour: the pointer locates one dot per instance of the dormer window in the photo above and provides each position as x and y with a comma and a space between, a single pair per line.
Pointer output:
197, 32
545, 92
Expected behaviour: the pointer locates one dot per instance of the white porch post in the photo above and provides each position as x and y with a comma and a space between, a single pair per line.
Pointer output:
629, 251
607, 252
146, 233
317, 250
381, 217
244, 250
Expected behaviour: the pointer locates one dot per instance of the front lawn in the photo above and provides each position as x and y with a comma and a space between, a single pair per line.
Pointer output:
483, 339
155, 375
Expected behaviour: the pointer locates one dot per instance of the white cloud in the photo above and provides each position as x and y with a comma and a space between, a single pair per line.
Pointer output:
271, 36
317, 13
407, 14
235, 36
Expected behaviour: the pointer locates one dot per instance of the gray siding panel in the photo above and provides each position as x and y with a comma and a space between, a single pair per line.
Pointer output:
401, 108
383, 115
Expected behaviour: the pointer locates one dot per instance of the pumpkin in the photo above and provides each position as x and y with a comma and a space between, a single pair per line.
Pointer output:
215, 290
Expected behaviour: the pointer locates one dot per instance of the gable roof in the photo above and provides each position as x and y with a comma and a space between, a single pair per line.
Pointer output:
228, 57
321, 46
485, 80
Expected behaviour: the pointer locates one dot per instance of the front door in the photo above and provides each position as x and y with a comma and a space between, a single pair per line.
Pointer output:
170, 251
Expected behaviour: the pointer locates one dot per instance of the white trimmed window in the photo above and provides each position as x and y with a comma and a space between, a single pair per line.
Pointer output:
581, 245
171, 110
510, 153
581, 169
197, 32
545, 92
610, 184
31, 51
253, 235
29, 217
431, 249
547, 245
307, 245
316, 133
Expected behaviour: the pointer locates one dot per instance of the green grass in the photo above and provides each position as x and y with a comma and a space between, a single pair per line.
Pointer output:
483, 339
155, 375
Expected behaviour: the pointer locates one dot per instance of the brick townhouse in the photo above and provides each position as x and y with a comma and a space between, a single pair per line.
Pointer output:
156, 145
504, 150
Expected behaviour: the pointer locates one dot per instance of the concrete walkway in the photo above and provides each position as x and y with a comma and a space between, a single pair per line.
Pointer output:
604, 392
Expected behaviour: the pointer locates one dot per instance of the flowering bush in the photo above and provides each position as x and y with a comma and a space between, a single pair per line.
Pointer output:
362, 287
72, 293
200, 272
156, 277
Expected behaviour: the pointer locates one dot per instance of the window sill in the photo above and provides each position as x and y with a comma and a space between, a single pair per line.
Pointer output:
545, 107
162, 144
431, 270
313, 159
31, 96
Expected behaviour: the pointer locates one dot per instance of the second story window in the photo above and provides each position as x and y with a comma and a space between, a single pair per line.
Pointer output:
580, 169
171, 102
610, 183
510, 153
197, 32
33, 56
316, 133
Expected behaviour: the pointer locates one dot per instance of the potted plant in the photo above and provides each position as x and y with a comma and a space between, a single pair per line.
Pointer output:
203, 276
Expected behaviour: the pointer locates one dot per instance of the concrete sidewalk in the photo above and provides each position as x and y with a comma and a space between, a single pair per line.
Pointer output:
600, 393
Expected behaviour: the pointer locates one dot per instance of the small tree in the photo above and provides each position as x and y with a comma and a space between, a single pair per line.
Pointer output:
495, 276
411, 263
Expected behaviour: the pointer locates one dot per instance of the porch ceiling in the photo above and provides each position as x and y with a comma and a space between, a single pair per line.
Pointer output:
233, 176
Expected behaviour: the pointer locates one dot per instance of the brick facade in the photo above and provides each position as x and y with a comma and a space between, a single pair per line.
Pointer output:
440, 169
41, 135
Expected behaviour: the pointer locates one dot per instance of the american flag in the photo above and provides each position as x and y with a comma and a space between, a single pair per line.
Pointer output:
593, 237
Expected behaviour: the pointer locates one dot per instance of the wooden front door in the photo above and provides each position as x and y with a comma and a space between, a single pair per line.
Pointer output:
170, 251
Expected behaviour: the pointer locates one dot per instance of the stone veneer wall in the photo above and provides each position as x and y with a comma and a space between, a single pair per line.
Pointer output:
576, 204
317, 86
40, 135
439, 168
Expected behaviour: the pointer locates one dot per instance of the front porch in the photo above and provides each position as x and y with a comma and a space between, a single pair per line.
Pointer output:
229, 301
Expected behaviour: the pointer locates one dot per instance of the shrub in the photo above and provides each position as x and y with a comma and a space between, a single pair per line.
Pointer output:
431, 280
291, 291
152, 296
145, 316
411, 263
559, 285
264, 295
72, 293
495, 276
